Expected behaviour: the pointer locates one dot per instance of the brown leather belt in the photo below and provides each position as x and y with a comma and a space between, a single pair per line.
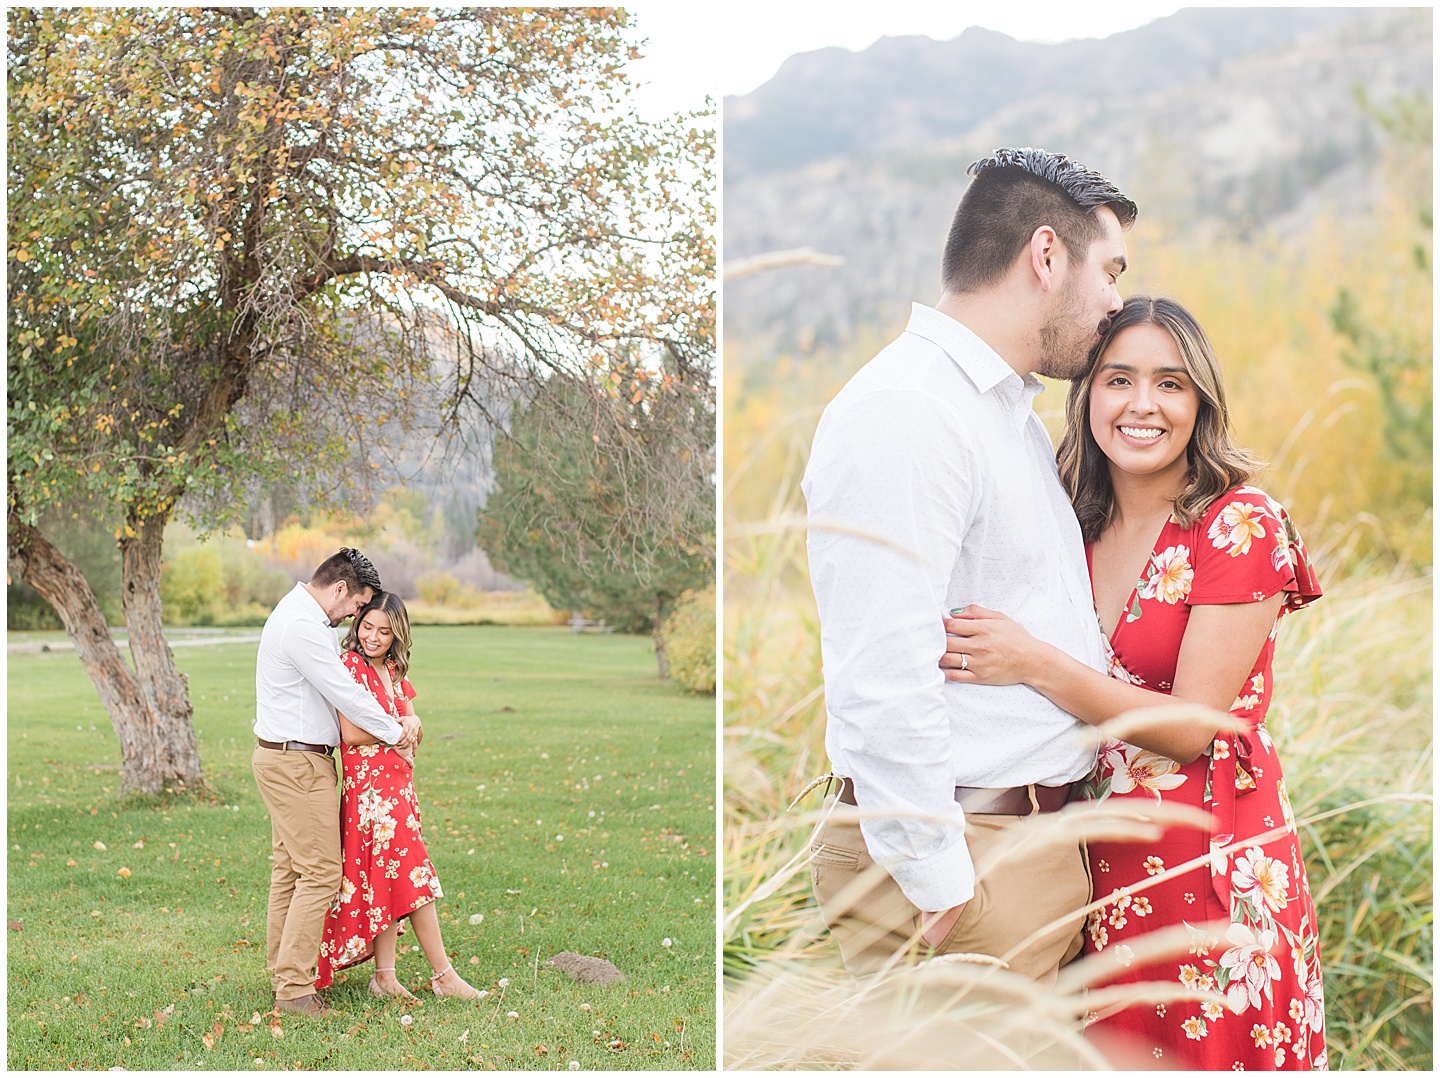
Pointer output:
302, 746
1016, 801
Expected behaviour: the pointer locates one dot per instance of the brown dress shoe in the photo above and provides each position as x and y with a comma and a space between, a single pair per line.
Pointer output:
311, 1004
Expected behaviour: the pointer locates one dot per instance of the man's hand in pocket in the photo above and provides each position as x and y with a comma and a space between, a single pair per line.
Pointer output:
934, 927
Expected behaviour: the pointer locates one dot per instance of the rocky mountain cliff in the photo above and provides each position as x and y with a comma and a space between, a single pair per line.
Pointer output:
1212, 119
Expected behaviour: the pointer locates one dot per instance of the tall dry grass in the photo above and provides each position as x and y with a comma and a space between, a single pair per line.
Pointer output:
1352, 721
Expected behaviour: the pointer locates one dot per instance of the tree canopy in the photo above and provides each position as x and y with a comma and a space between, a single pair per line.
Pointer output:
614, 515
298, 208
244, 241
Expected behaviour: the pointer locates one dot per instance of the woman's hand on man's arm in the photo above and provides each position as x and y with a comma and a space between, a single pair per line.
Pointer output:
1219, 649
994, 649
355, 737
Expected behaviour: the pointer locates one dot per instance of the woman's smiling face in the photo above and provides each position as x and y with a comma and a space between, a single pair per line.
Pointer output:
375, 634
1143, 404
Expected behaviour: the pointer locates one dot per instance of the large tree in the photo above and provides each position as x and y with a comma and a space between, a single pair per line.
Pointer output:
240, 239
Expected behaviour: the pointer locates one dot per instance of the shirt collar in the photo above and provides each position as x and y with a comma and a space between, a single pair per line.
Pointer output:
314, 607
980, 363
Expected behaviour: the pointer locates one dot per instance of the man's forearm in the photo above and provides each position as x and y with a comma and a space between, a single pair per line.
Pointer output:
374, 721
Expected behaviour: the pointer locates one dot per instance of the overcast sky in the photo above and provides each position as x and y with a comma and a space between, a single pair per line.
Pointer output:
732, 46
758, 35
681, 63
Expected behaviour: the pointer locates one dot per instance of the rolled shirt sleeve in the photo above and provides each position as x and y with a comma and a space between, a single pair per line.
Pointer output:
888, 507
311, 647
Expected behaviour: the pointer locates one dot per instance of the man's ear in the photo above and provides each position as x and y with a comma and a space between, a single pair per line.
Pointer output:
1044, 248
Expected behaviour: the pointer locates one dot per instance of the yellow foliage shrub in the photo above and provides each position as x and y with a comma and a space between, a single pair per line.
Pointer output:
689, 638
440, 589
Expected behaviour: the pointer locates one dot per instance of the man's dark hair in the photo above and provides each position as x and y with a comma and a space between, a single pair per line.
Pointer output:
350, 566
1014, 192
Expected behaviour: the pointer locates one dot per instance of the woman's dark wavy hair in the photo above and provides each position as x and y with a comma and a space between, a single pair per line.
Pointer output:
1216, 463
393, 608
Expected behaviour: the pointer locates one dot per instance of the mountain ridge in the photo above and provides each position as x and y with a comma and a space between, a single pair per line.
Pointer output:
1251, 115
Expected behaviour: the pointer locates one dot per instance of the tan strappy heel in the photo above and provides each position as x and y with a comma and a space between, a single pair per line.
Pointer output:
467, 992
375, 988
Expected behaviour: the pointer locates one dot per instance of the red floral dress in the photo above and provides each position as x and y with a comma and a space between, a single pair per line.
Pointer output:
1265, 964
387, 873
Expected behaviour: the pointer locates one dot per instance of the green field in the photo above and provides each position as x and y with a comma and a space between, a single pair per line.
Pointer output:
567, 795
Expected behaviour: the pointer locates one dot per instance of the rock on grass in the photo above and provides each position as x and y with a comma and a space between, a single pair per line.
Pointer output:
586, 969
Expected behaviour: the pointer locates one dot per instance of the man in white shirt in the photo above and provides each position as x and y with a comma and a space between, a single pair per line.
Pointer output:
932, 485
300, 683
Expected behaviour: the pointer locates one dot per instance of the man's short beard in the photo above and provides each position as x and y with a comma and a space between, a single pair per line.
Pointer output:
1064, 349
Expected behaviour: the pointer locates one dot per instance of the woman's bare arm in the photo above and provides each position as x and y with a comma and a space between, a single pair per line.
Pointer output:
1216, 656
352, 735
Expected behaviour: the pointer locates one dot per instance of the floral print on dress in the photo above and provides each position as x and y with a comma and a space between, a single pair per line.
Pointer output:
387, 874
1133, 768
1252, 962
1169, 576
1247, 969
1236, 525
1262, 879
1253, 697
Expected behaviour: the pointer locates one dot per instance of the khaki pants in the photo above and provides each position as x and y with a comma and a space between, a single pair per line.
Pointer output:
299, 790
872, 920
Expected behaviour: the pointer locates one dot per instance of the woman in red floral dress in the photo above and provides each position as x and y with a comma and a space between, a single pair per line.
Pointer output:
1191, 615
388, 876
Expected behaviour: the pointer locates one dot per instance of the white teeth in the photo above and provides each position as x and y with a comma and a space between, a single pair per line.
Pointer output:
1141, 432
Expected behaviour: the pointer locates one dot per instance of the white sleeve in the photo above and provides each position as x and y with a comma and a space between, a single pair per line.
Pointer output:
311, 647
889, 498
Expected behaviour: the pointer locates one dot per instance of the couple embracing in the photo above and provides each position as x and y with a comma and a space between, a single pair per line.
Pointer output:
1136, 566
333, 903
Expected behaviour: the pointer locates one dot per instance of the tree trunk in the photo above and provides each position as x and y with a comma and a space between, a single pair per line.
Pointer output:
146, 763
167, 695
662, 660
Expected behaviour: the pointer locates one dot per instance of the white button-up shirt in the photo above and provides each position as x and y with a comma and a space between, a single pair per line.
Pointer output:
931, 485
300, 681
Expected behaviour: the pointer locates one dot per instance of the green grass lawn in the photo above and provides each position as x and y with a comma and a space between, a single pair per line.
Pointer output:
567, 796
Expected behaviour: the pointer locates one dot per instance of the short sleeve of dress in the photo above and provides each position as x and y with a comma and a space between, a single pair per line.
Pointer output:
1246, 550
358, 667
406, 689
